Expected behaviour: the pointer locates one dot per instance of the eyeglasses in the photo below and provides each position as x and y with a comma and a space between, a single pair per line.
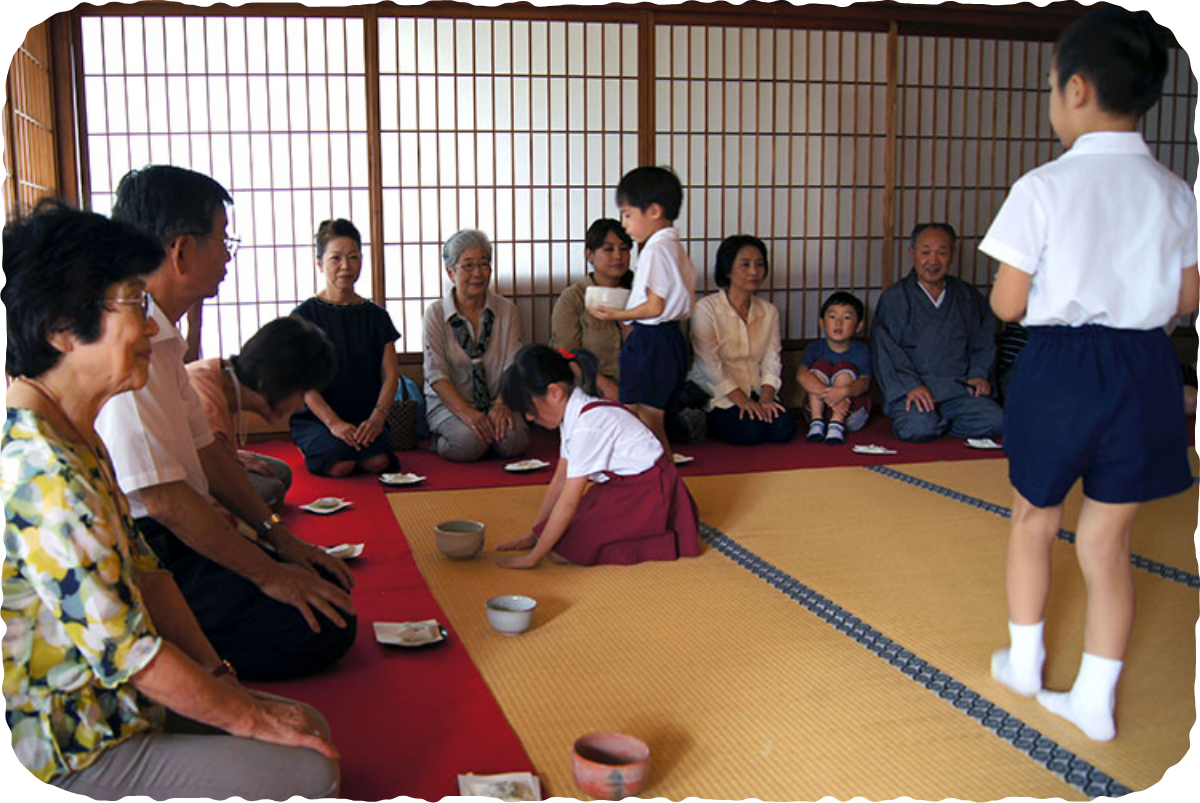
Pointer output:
473, 267
232, 242
141, 300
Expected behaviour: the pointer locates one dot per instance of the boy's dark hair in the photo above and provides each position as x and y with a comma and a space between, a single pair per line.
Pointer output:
1123, 54
727, 252
920, 227
844, 299
288, 355
598, 232
643, 186
330, 230
58, 264
166, 201
536, 367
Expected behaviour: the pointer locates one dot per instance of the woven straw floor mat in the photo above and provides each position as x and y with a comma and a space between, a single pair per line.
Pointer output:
929, 572
739, 692
1164, 531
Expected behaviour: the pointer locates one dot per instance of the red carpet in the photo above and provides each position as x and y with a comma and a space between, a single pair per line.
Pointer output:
407, 722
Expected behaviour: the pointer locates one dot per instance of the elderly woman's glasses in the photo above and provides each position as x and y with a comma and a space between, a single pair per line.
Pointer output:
141, 301
473, 267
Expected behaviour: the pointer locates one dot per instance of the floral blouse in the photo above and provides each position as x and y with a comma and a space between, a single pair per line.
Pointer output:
75, 627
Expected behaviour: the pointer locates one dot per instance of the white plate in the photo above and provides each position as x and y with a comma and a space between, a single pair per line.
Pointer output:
344, 551
400, 479
409, 634
508, 786
680, 459
983, 443
870, 448
325, 505
526, 465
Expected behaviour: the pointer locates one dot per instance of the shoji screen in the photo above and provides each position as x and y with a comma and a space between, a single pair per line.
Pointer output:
973, 117
30, 152
273, 108
780, 134
519, 128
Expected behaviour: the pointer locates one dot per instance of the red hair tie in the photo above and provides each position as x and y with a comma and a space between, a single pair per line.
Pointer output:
566, 355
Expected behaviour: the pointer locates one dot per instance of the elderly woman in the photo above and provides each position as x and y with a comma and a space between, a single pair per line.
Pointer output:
110, 687
735, 336
471, 336
279, 364
607, 248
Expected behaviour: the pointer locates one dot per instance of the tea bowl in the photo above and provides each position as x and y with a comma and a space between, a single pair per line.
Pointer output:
610, 766
459, 539
510, 614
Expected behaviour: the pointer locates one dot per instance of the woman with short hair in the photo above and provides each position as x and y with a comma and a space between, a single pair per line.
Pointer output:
471, 336
111, 689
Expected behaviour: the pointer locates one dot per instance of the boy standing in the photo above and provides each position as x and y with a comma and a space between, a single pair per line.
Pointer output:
835, 372
1097, 253
654, 359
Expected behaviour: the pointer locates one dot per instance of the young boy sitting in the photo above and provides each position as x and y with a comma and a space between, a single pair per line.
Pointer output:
655, 358
1097, 253
836, 372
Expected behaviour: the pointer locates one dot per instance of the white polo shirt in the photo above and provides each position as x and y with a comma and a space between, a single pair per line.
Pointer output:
605, 438
1104, 230
664, 267
153, 433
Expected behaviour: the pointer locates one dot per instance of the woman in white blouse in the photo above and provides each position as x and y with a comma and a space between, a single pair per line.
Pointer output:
736, 340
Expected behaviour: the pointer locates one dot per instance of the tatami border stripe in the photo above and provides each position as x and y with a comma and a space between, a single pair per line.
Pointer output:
1062, 762
1146, 564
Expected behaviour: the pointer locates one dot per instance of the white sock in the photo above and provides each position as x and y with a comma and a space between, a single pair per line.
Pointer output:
1020, 666
1091, 701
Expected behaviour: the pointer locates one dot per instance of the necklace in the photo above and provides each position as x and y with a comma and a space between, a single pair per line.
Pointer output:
243, 428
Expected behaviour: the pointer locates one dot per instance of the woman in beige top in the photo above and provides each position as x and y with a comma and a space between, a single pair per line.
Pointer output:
607, 248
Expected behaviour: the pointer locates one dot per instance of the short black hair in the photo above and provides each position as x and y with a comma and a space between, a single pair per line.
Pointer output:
288, 355
920, 227
644, 186
166, 201
1123, 54
844, 299
58, 264
330, 230
727, 252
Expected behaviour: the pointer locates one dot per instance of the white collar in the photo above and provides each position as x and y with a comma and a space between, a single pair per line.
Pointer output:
450, 308
1128, 143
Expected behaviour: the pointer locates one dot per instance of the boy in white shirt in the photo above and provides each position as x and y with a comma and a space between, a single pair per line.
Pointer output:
654, 360
1098, 254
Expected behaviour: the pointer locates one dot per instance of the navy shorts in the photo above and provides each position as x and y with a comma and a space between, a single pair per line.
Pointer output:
1098, 403
654, 364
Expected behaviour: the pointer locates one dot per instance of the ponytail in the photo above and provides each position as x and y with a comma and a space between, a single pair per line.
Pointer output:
537, 367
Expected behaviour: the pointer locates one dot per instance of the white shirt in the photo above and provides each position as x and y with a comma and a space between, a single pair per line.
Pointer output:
732, 354
153, 433
605, 438
1105, 231
664, 267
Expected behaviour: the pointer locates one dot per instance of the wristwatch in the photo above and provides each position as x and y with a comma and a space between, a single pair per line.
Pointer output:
265, 526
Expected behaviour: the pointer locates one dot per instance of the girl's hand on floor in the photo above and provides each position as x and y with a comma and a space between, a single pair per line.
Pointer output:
527, 541
518, 562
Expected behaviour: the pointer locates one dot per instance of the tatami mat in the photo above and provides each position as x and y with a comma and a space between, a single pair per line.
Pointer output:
739, 692
929, 572
1164, 531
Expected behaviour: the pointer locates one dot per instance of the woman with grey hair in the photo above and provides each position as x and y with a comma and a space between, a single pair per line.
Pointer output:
471, 336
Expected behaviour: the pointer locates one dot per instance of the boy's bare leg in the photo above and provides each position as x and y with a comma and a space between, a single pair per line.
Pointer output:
1102, 544
1027, 586
655, 419
816, 415
842, 411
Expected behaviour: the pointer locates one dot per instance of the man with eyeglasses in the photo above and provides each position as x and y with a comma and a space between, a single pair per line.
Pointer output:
275, 609
933, 342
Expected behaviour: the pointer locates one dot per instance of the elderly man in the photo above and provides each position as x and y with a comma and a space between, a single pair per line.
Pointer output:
267, 607
933, 343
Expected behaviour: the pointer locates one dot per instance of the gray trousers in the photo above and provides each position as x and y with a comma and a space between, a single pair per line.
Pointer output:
272, 488
963, 417
190, 759
454, 440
